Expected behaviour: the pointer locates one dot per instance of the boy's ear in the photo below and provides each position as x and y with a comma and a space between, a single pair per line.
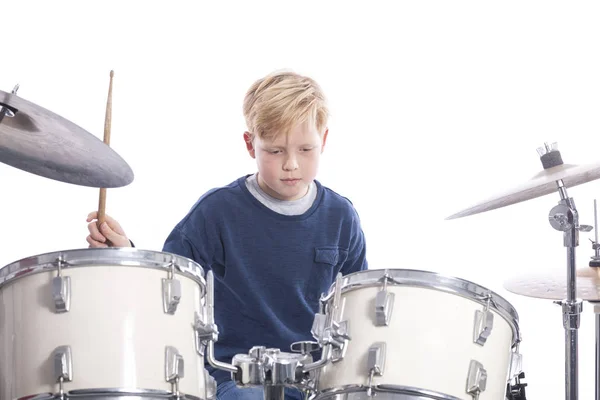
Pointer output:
324, 139
249, 144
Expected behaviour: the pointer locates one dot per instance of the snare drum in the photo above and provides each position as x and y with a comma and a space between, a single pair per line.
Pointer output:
420, 335
98, 323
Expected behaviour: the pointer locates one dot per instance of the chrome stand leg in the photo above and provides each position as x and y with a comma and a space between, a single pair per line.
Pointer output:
273, 392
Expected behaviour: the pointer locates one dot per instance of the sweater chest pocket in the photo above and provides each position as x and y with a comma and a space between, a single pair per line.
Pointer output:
328, 260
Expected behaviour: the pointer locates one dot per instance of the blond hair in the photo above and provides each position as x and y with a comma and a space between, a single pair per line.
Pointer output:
282, 100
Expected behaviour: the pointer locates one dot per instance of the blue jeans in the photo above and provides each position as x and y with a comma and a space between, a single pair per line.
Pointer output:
228, 391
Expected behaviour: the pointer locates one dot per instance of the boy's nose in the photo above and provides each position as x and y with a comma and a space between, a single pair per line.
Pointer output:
290, 164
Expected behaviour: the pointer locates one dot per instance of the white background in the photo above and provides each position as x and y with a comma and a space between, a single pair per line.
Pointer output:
435, 105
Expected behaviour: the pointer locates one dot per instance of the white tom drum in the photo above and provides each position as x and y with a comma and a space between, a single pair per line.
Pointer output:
99, 323
419, 335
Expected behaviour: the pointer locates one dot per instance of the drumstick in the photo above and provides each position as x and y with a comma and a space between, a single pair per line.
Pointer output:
107, 121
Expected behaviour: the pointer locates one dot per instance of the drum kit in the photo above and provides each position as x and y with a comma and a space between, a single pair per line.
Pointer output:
57, 343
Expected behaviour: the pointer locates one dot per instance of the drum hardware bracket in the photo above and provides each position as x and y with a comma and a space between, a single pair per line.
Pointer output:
304, 347
375, 363
61, 289
326, 358
63, 367
571, 313
329, 331
207, 331
484, 323
563, 218
384, 304
283, 368
250, 367
204, 333
272, 369
339, 336
171, 291
174, 369
7, 110
516, 391
476, 379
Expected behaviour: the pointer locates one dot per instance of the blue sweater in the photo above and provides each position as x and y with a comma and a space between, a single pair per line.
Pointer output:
270, 269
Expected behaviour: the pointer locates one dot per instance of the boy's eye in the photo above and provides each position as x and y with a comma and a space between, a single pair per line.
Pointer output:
274, 151
306, 149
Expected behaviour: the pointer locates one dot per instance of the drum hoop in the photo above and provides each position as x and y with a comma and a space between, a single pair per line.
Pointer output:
113, 256
430, 280
110, 393
403, 390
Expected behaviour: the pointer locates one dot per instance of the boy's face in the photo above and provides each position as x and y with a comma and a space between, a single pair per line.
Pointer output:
288, 164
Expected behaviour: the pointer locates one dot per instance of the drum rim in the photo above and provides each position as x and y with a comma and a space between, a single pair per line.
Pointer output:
400, 389
430, 280
112, 256
112, 393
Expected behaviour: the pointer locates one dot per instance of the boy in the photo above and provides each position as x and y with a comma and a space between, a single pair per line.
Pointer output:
275, 239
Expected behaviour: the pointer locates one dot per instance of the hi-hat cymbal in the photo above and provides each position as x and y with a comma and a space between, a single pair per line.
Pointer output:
553, 285
36, 140
540, 185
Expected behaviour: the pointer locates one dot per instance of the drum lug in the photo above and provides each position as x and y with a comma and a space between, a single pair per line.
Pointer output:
173, 364
174, 368
61, 289
63, 363
384, 304
171, 290
375, 364
476, 379
516, 363
484, 323
376, 359
63, 367
211, 386
318, 326
61, 293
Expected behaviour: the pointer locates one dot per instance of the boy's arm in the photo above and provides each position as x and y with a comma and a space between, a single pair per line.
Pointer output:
178, 243
357, 253
197, 245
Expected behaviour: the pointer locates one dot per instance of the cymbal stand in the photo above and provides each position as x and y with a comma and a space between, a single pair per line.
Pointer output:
595, 263
565, 218
5, 109
596, 307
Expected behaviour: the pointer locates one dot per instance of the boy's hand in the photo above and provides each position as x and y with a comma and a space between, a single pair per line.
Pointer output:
110, 233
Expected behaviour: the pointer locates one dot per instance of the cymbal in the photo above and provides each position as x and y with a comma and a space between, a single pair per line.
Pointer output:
36, 140
540, 185
553, 284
